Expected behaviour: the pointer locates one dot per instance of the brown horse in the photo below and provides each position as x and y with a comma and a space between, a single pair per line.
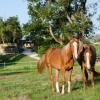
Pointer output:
87, 59
61, 59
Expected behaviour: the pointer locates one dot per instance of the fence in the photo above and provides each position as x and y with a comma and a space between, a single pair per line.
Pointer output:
26, 64
9, 68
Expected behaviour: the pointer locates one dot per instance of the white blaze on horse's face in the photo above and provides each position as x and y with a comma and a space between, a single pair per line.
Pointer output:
75, 49
87, 60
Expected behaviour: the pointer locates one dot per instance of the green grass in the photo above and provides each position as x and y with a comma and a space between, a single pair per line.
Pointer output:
22, 82
98, 49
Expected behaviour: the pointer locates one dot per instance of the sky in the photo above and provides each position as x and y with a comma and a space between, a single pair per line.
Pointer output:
94, 18
18, 8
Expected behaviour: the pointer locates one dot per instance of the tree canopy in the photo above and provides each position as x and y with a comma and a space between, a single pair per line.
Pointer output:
10, 30
58, 18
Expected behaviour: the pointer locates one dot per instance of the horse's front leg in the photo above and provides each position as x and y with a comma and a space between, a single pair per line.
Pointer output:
63, 80
69, 80
56, 80
92, 78
84, 78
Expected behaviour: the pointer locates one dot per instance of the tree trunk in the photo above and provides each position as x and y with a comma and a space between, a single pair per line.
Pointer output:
51, 33
69, 19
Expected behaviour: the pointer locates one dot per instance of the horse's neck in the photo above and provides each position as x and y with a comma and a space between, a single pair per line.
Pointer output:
80, 46
67, 49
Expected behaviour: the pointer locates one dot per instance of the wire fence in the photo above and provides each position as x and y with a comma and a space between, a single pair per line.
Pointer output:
27, 64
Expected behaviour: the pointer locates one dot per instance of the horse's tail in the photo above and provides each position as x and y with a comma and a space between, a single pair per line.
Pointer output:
41, 64
86, 74
96, 74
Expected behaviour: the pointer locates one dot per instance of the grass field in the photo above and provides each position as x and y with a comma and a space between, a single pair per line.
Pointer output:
20, 81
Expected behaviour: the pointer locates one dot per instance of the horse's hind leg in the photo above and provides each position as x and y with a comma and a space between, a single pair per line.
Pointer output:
51, 78
56, 80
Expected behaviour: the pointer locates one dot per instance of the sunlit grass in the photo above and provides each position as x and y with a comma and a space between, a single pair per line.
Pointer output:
22, 82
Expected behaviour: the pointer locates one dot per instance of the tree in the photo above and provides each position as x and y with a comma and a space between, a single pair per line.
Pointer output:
2, 30
13, 27
60, 18
10, 30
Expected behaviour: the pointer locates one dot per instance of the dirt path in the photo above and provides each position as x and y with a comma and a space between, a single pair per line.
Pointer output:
31, 54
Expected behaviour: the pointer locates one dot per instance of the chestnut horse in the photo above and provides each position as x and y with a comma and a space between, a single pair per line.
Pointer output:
61, 59
87, 59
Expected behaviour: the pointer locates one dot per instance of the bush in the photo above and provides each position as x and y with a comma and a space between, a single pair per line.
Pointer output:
6, 58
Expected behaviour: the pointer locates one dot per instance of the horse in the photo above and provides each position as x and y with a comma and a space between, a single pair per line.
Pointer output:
87, 60
60, 59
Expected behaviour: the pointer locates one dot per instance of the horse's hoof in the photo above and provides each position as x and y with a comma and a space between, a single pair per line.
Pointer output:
92, 87
58, 92
62, 93
68, 91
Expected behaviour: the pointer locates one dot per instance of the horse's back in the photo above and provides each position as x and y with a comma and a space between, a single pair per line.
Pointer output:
53, 57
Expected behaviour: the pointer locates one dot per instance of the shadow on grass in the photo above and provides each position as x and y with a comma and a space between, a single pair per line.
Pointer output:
97, 80
17, 57
14, 73
10, 59
78, 84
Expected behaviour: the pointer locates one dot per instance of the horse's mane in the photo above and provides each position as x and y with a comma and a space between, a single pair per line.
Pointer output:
66, 46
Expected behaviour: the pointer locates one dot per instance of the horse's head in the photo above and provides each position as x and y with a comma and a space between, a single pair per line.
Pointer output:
75, 45
87, 55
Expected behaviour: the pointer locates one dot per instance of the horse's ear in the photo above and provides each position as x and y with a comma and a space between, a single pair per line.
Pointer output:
85, 45
79, 36
91, 47
82, 47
